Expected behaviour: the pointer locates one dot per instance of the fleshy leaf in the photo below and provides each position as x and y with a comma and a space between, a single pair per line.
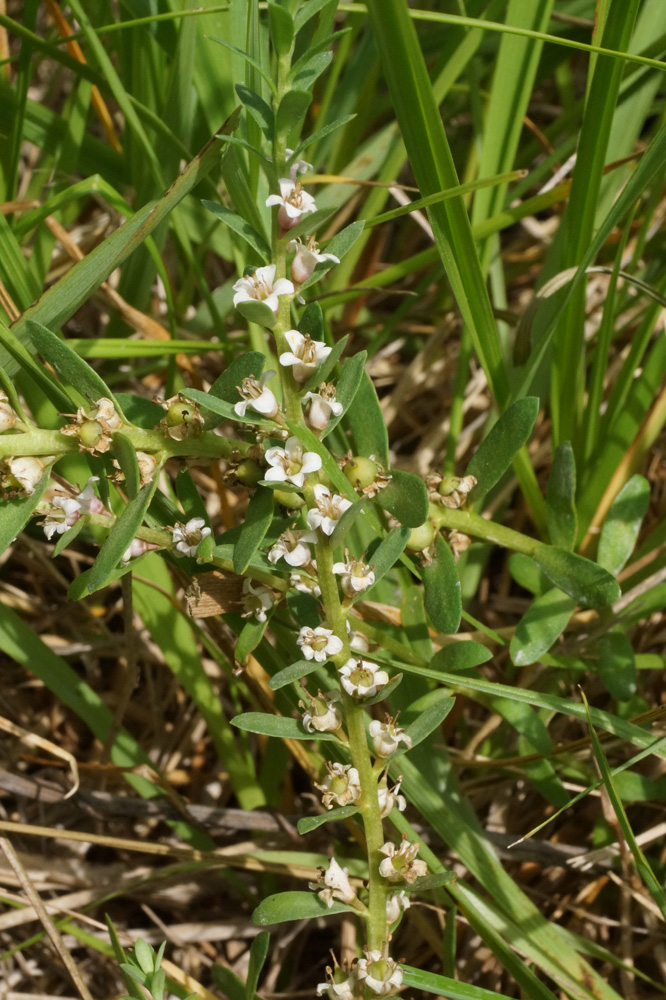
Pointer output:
561, 498
622, 524
497, 450
120, 537
366, 422
293, 672
285, 906
309, 823
578, 577
461, 656
241, 227
67, 363
406, 497
543, 623
276, 725
617, 663
258, 518
443, 600
257, 312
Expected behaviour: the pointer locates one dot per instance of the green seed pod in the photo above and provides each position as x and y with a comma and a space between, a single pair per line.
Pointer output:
421, 537
361, 472
292, 500
179, 413
249, 472
90, 433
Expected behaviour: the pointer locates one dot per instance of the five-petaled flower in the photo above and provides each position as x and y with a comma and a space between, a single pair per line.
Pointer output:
362, 679
382, 975
293, 201
318, 643
291, 464
262, 287
188, 537
256, 395
305, 355
340, 985
395, 904
387, 736
329, 509
291, 546
306, 258
355, 576
337, 884
257, 601
321, 405
401, 864
66, 511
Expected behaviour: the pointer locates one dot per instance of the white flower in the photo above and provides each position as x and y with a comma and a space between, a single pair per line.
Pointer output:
256, 600
291, 547
136, 548
306, 259
401, 864
305, 355
322, 404
362, 679
395, 904
318, 643
65, 511
323, 714
387, 736
305, 584
256, 395
389, 799
341, 786
293, 201
188, 537
381, 975
328, 511
356, 576
358, 642
337, 884
298, 166
262, 287
7, 415
343, 990
24, 472
291, 464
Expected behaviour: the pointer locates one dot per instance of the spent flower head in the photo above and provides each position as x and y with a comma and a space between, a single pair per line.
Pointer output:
400, 864
94, 426
323, 714
257, 601
380, 974
20, 475
182, 418
341, 786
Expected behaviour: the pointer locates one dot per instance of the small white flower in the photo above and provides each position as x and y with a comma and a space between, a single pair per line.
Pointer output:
337, 884
390, 799
387, 736
293, 201
256, 395
257, 601
306, 259
381, 975
298, 166
305, 355
291, 546
395, 904
328, 511
356, 576
136, 548
25, 472
262, 287
7, 415
188, 537
318, 643
358, 642
305, 584
322, 405
362, 679
343, 990
65, 511
291, 464
341, 786
401, 864
323, 713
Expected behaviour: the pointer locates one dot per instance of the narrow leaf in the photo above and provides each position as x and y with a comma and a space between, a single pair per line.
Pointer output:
293, 672
16, 512
348, 388
389, 551
341, 243
443, 600
366, 422
125, 454
431, 710
120, 537
276, 725
258, 518
461, 656
621, 527
561, 498
384, 692
328, 364
406, 497
71, 368
291, 110
258, 108
589, 584
250, 636
258, 953
346, 522
498, 449
226, 385
309, 823
241, 227
617, 663
281, 28
285, 906
543, 623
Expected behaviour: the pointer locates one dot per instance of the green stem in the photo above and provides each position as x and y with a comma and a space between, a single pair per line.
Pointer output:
472, 524
52, 442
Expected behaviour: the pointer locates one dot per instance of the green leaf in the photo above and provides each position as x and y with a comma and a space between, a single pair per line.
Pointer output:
461, 656
281, 27
328, 364
452, 989
312, 323
68, 537
16, 356
258, 108
427, 882
384, 692
543, 622
67, 363
561, 498
282, 487
578, 577
258, 518
341, 243
125, 454
527, 574
120, 536
293, 672
227, 982
430, 711
309, 10
285, 906
617, 664
314, 137
345, 522
366, 422
406, 497
240, 226
309, 823
443, 600
388, 551
291, 110
305, 76
258, 953
257, 312
277, 725
498, 449
226, 385
139, 410
622, 524
211, 403
15, 513
250, 636
191, 501
415, 626
348, 387
144, 955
